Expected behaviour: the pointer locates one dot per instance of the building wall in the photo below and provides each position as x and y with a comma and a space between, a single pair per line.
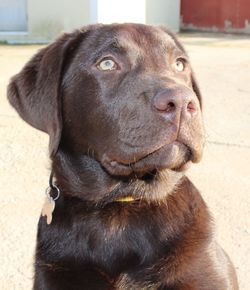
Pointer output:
119, 11
13, 15
216, 15
47, 18
166, 12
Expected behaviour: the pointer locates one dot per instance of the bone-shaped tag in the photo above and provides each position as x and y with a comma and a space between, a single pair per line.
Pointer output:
48, 208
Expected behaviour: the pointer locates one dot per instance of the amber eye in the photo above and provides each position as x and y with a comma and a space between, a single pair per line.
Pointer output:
107, 65
179, 65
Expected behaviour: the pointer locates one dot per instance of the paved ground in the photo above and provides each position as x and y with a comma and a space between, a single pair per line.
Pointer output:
222, 65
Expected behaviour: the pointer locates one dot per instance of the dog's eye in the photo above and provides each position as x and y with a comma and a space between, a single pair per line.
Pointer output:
107, 65
179, 65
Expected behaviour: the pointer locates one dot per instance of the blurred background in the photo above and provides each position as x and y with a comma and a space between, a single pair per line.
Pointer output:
216, 34
40, 21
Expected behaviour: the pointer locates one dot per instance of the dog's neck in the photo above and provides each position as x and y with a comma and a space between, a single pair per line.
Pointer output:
174, 221
85, 178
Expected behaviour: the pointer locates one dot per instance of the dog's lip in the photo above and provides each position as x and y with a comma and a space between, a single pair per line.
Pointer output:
175, 155
130, 163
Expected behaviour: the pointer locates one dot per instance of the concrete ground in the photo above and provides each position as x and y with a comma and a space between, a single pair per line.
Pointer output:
222, 66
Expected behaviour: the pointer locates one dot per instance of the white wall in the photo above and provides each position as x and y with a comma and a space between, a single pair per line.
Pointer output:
166, 12
118, 11
47, 18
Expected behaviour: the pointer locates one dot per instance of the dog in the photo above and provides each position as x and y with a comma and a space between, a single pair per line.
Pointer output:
123, 111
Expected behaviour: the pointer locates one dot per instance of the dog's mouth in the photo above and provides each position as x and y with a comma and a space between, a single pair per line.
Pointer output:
175, 156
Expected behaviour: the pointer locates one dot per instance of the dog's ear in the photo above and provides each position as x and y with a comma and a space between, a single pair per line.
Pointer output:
35, 91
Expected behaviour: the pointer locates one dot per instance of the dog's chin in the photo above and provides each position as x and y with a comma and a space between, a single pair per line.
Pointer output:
150, 178
175, 157
153, 187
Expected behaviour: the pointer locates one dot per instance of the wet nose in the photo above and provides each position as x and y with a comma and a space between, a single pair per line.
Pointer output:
171, 102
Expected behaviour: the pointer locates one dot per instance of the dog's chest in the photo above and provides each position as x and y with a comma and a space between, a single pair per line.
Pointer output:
116, 242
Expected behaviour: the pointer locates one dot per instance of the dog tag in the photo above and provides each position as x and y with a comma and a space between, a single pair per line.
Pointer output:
48, 208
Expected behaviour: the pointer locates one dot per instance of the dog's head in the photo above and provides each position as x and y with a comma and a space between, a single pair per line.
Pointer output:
124, 93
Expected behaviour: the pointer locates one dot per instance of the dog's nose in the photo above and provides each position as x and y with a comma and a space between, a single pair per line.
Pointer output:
171, 102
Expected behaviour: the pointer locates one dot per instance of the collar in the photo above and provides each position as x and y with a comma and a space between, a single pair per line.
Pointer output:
52, 186
125, 199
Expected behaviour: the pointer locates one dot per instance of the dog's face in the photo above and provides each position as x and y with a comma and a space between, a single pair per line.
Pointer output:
128, 97
124, 94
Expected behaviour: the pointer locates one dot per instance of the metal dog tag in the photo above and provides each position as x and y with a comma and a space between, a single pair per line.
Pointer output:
48, 208
49, 204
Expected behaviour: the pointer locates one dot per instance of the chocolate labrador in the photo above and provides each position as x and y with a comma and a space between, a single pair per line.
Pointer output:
123, 112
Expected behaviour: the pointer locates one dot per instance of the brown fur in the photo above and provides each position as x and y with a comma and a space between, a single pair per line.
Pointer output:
131, 131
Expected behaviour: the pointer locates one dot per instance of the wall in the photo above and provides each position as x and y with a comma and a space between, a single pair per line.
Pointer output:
216, 15
120, 11
47, 18
166, 12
